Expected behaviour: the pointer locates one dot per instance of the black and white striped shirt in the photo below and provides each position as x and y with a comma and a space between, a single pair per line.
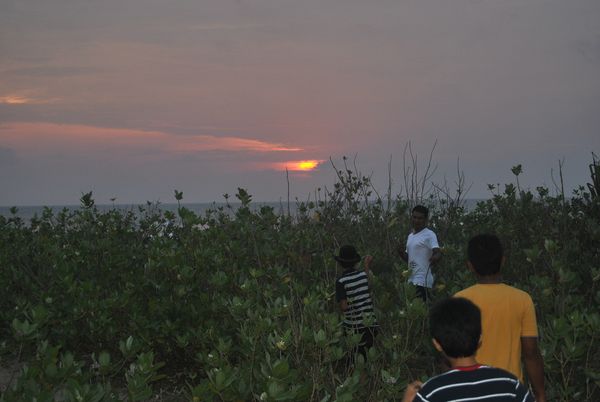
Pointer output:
472, 384
353, 286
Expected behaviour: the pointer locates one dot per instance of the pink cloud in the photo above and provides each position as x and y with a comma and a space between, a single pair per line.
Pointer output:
42, 138
210, 143
15, 99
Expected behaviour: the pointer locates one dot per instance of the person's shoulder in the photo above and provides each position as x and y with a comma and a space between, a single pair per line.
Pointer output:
434, 382
341, 276
517, 293
495, 372
501, 375
465, 292
439, 380
481, 372
456, 376
429, 232
350, 275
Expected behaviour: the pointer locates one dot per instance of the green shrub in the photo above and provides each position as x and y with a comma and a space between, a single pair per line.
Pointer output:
238, 304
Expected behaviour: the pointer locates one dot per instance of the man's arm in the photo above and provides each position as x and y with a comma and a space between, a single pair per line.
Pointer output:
436, 255
403, 253
343, 305
534, 366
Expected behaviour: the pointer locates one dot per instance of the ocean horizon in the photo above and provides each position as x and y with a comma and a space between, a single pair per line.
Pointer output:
26, 212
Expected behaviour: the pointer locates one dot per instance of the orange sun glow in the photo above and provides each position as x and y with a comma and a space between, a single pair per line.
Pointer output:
302, 166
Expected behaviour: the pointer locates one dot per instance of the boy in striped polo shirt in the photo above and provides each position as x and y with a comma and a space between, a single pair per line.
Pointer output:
455, 326
354, 297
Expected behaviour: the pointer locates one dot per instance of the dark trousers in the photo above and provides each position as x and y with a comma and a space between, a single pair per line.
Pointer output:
423, 293
366, 341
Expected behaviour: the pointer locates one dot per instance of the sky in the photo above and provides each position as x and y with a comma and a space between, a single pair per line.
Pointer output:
132, 99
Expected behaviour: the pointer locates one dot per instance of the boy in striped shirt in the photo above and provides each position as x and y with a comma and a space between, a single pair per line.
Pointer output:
455, 326
354, 297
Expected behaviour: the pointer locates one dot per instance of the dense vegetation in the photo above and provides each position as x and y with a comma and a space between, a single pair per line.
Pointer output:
238, 304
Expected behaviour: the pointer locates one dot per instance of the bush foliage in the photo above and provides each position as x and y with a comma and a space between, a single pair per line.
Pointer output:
238, 304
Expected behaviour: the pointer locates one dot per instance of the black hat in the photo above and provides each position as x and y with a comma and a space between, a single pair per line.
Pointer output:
347, 254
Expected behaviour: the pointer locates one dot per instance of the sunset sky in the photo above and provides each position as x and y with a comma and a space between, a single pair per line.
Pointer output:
132, 99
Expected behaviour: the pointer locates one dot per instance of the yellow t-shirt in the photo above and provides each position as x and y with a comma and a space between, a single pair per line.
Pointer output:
507, 315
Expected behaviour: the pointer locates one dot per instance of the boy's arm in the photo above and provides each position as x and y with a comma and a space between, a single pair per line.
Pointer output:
368, 261
340, 296
534, 366
411, 391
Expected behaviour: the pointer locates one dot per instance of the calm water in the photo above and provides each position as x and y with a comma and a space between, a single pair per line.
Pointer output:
28, 212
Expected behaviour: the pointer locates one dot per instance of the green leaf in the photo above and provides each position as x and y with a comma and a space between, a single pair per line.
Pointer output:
104, 359
281, 369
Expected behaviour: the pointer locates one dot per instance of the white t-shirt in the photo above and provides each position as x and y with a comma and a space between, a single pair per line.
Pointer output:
419, 247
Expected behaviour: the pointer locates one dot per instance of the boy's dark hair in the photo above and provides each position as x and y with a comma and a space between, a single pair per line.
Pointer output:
422, 210
455, 323
485, 252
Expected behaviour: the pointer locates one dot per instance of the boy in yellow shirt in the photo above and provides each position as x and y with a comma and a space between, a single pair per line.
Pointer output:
509, 327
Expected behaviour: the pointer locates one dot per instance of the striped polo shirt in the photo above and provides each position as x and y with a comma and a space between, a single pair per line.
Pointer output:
354, 287
477, 383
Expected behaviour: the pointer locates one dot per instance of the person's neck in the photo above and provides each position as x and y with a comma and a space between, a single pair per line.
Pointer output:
415, 230
458, 362
489, 279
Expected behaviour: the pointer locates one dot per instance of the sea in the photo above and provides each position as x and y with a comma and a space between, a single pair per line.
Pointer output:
281, 207
29, 211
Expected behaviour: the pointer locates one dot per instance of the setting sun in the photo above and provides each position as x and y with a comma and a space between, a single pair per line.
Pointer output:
295, 166
307, 165
302, 166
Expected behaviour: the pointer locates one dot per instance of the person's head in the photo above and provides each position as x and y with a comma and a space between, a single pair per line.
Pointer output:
347, 257
418, 217
455, 325
485, 254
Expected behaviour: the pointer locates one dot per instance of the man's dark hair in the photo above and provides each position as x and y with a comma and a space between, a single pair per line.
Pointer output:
485, 252
422, 210
455, 323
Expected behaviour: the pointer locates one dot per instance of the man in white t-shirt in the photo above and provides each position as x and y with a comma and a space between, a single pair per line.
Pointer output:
421, 253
